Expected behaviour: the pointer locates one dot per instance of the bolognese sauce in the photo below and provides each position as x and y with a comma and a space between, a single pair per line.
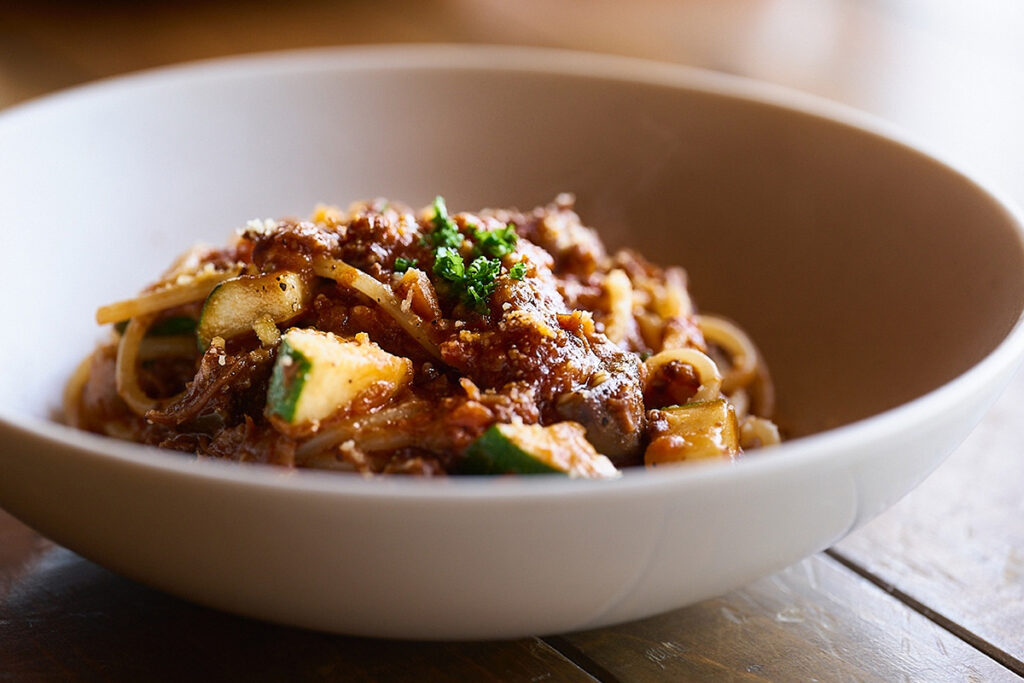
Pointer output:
381, 340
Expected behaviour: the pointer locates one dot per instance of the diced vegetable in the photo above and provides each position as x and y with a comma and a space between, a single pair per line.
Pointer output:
560, 448
316, 374
168, 327
235, 305
705, 429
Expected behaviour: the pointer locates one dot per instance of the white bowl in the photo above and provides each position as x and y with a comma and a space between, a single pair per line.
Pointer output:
884, 287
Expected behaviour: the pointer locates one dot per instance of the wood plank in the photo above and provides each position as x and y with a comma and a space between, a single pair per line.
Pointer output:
64, 618
812, 621
956, 543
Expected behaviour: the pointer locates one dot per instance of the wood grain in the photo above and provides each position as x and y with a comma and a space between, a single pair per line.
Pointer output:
956, 543
814, 620
64, 618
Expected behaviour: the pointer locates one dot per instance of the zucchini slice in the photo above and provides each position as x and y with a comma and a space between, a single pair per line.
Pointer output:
168, 327
703, 429
561, 448
316, 374
235, 305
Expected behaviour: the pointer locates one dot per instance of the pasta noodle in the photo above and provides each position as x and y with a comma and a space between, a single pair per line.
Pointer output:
126, 372
195, 288
742, 353
707, 372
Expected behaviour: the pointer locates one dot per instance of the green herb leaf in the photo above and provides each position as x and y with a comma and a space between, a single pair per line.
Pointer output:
404, 264
479, 282
518, 271
496, 243
449, 265
475, 283
440, 211
445, 233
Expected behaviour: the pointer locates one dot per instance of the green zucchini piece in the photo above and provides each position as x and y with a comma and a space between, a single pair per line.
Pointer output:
234, 305
703, 429
561, 448
168, 327
316, 374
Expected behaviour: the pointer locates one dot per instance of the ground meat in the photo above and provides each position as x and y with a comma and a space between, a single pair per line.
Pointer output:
463, 418
290, 246
525, 344
345, 312
557, 229
574, 371
531, 351
251, 442
373, 238
674, 383
101, 410
227, 389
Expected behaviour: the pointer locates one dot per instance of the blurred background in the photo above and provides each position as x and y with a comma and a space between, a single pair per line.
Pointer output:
950, 71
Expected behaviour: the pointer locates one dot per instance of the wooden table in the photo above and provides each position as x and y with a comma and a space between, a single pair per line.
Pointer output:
931, 590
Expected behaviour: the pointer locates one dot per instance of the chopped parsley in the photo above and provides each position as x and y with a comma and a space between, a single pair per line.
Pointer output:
479, 282
403, 264
472, 284
449, 265
445, 232
496, 243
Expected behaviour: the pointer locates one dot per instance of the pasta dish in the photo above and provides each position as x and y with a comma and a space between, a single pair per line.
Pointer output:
380, 340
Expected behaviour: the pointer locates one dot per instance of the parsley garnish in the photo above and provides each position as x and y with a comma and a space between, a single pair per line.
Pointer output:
403, 264
496, 243
479, 282
475, 283
449, 264
445, 233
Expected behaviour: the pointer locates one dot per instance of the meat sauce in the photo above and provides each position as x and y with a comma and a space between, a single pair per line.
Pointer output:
535, 351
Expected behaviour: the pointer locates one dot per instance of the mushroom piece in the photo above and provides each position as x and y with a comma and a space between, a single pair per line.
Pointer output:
611, 408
